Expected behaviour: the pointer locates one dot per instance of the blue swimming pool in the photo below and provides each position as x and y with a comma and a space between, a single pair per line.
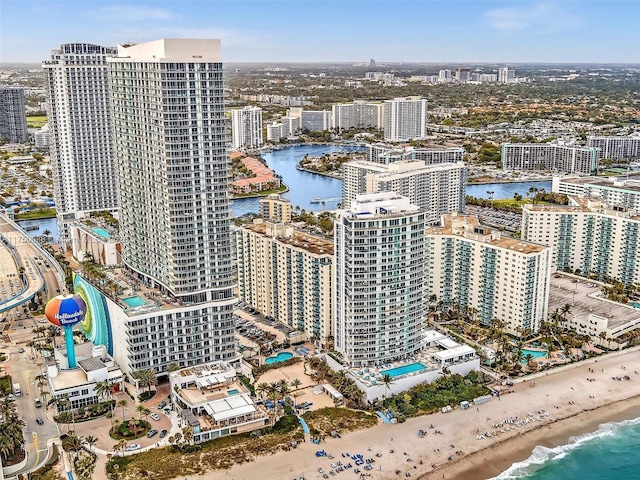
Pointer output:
635, 304
281, 357
233, 391
404, 369
134, 301
101, 232
534, 353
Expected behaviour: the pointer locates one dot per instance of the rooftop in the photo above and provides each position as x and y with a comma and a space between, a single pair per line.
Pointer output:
304, 241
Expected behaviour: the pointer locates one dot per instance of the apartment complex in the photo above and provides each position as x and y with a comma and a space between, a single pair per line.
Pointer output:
587, 237
386, 153
616, 192
405, 119
547, 156
246, 128
81, 140
13, 116
380, 279
287, 274
359, 114
436, 189
498, 277
275, 208
616, 148
173, 180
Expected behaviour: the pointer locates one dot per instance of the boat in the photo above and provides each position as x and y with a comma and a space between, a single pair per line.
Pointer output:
32, 227
315, 200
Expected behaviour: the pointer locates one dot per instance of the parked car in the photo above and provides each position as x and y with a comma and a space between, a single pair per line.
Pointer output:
161, 405
155, 416
163, 433
39, 421
152, 433
133, 446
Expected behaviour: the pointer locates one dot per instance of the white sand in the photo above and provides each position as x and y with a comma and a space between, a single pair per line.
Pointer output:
551, 392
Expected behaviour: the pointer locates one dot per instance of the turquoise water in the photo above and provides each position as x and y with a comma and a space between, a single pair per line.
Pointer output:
281, 357
534, 353
635, 304
609, 453
404, 369
134, 301
233, 391
101, 232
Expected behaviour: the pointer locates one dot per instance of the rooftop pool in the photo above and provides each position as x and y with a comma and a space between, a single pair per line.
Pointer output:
281, 357
404, 369
101, 232
134, 301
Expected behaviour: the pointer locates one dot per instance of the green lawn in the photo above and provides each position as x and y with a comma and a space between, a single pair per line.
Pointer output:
36, 121
44, 213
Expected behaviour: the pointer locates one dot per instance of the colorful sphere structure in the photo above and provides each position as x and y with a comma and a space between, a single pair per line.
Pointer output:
66, 311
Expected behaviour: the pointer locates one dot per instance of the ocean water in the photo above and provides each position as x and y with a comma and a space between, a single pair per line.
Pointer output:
612, 452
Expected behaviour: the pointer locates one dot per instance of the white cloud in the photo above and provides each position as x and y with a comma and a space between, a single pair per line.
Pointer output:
135, 13
543, 17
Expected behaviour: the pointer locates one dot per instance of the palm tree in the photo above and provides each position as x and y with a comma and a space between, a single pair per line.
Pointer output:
146, 378
122, 445
262, 388
295, 383
387, 381
187, 434
140, 408
122, 403
90, 441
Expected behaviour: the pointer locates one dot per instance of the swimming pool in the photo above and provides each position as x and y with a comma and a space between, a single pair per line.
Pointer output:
635, 304
534, 353
233, 391
101, 232
134, 301
404, 369
281, 357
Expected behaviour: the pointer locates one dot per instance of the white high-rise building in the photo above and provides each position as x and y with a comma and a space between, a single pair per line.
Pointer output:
498, 277
81, 141
436, 189
549, 156
380, 279
359, 114
173, 179
13, 116
405, 119
616, 148
246, 128
274, 132
587, 237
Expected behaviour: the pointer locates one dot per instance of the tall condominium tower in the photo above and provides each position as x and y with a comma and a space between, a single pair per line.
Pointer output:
616, 148
246, 128
405, 119
172, 165
13, 117
549, 156
380, 279
79, 116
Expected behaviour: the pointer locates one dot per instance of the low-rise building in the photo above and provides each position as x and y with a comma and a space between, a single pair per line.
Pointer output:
213, 402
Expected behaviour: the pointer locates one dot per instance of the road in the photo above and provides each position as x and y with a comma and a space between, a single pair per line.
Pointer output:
39, 274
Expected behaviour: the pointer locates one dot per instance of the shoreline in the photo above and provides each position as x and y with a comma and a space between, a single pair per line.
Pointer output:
479, 442
492, 461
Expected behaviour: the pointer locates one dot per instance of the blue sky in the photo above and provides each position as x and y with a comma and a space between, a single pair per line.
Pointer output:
472, 31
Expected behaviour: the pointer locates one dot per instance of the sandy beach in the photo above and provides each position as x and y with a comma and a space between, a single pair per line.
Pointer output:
543, 409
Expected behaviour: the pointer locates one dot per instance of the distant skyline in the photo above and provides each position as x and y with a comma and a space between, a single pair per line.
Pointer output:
431, 31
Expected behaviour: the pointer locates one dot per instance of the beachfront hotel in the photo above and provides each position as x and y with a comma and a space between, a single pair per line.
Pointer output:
287, 274
548, 156
436, 189
13, 116
214, 402
81, 141
497, 277
587, 237
380, 279
405, 119
246, 128
172, 300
